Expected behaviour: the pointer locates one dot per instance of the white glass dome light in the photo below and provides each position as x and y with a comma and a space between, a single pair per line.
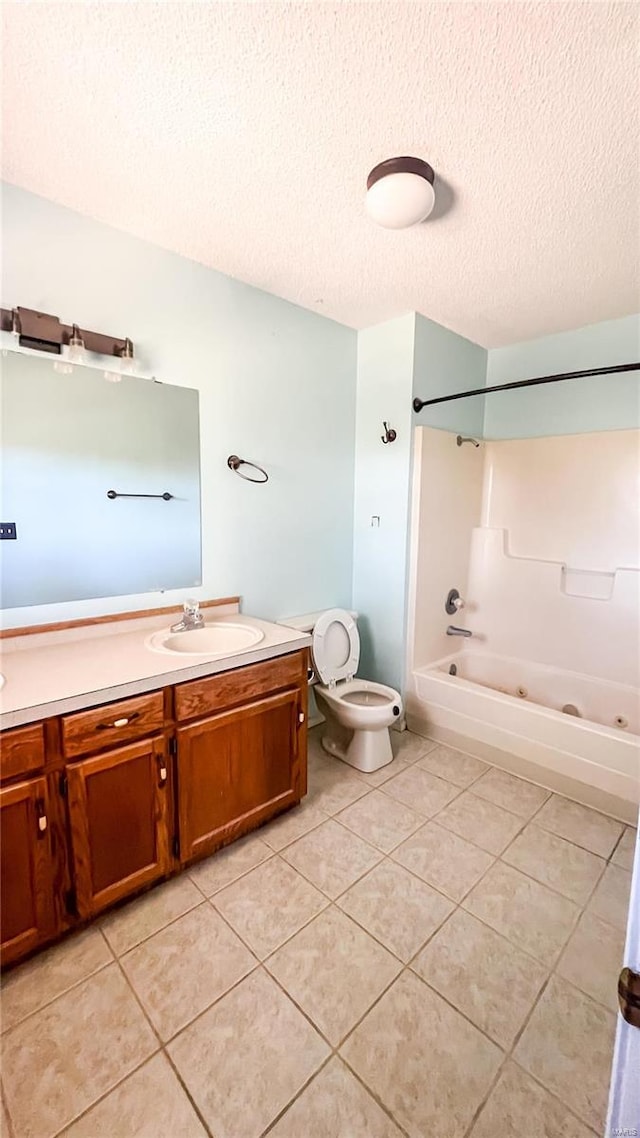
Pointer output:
400, 192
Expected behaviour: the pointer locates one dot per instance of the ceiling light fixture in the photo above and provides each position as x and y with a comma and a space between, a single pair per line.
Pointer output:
400, 192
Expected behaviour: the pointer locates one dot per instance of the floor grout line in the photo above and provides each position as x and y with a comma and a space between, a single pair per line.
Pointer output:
298, 1094
374, 1095
552, 1094
5, 1107
188, 1094
118, 955
102, 1097
58, 996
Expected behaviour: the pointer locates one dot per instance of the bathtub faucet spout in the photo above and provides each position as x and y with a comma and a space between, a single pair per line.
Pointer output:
453, 631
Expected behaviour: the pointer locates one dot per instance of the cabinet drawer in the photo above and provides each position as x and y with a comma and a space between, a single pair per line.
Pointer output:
201, 697
113, 723
21, 750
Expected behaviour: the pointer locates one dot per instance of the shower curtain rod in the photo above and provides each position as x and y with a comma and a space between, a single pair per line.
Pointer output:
418, 404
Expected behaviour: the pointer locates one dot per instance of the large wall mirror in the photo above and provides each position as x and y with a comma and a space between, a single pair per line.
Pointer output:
70, 441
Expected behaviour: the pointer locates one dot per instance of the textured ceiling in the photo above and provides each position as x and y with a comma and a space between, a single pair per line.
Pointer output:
241, 134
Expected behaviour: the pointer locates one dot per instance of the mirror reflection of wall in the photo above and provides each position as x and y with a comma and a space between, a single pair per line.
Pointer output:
67, 439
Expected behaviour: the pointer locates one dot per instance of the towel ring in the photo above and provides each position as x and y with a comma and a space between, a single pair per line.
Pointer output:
234, 463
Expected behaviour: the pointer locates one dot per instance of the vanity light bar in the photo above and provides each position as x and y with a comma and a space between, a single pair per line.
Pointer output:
45, 333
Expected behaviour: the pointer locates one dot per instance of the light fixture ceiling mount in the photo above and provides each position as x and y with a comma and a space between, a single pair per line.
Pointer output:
400, 192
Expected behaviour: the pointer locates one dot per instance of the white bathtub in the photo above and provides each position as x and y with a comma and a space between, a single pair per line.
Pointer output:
510, 711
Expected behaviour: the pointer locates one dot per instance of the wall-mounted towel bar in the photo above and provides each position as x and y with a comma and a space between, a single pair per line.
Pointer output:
234, 463
116, 494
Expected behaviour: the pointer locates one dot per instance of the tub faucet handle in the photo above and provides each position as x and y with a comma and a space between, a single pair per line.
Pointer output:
454, 602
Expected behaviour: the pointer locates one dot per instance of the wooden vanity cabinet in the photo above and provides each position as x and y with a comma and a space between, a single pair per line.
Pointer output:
120, 821
139, 788
235, 769
241, 751
26, 868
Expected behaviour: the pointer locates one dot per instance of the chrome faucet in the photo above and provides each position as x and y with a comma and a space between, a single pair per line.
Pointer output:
453, 631
191, 618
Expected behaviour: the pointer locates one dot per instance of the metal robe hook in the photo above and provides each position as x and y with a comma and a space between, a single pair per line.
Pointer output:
389, 435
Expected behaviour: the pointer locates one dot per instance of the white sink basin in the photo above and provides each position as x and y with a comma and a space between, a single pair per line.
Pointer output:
223, 638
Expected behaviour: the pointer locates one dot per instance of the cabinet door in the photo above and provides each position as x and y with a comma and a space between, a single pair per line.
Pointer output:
119, 818
236, 769
26, 897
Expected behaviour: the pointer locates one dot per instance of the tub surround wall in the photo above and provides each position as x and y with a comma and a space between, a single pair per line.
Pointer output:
447, 503
550, 531
542, 538
555, 568
276, 384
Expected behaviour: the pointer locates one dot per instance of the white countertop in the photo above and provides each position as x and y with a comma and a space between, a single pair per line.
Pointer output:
67, 670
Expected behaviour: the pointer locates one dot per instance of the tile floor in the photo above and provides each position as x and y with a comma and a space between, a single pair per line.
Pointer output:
429, 951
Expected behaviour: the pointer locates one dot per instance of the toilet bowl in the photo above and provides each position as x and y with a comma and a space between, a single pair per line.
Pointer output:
358, 713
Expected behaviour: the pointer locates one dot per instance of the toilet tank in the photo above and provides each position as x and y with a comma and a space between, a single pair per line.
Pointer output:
306, 622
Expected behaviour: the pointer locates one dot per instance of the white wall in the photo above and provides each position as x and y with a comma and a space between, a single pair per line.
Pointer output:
276, 383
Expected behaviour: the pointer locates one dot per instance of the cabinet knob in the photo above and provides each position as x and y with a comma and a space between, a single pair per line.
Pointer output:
41, 816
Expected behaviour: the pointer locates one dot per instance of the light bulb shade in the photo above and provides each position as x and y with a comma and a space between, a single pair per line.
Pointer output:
75, 351
400, 192
127, 358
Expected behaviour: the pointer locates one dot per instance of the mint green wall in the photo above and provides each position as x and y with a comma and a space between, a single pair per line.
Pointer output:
603, 403
384, 384
277, 384
399, 359
445, 363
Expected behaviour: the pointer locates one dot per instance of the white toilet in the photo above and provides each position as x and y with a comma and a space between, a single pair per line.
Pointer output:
358, 712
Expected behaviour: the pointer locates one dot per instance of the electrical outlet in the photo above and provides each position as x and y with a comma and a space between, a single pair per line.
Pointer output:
8, 531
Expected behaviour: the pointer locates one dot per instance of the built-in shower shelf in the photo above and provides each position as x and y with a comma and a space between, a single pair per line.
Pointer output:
587, 583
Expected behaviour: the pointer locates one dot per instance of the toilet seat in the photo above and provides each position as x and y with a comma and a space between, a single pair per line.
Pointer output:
335, 647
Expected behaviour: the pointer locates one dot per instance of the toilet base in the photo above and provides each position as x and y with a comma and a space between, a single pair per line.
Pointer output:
366, 750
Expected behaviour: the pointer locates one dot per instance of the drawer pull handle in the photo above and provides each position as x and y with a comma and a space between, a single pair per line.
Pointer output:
118, 722
162, 770
301, 717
